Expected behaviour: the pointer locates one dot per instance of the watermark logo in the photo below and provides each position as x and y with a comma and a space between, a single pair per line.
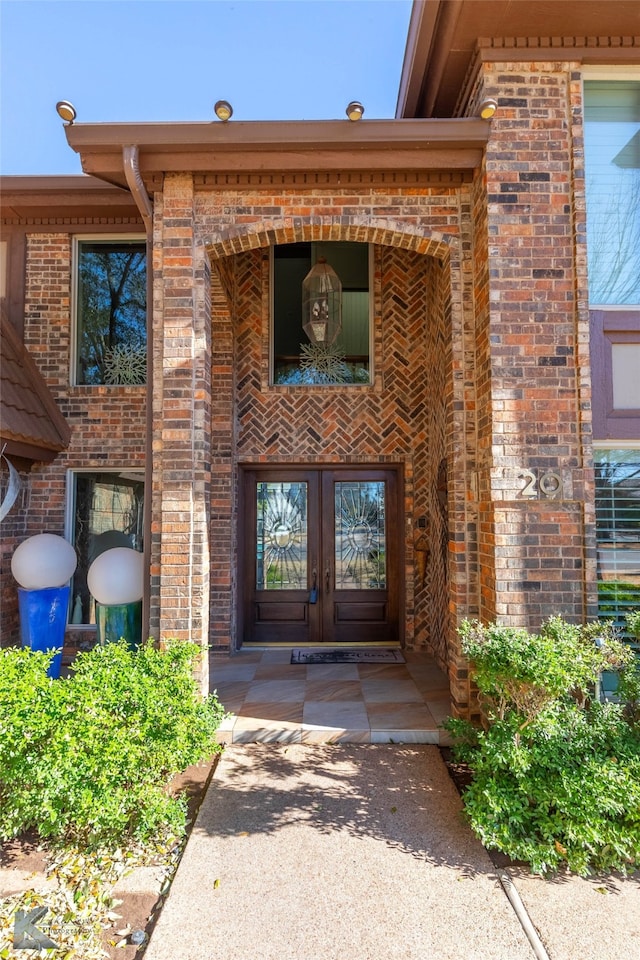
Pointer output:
26, 935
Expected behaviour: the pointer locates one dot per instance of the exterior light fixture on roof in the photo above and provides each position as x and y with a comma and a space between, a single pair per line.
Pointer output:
322, 304
355, 110
223, 110
66, 111
488, 107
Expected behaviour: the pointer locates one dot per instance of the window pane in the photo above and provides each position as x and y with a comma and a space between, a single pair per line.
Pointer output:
111, 312
360, 540
108, 512
612, 156
618, 532
281, 528
625, 368
296, 359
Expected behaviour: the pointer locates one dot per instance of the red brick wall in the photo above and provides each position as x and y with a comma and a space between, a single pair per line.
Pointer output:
181, 433
497, 346
532, 370
107, 423
481, 373
239, 355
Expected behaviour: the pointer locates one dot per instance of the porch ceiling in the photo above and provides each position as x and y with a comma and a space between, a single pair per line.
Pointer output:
273, 146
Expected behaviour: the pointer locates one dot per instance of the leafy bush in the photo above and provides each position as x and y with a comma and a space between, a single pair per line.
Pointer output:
556, 773
633, 623
88, 759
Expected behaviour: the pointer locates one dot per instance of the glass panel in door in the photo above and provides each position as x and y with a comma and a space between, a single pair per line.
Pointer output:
281, 536
360, 602
360, 547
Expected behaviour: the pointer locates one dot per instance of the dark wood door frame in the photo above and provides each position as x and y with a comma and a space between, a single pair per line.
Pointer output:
368, 613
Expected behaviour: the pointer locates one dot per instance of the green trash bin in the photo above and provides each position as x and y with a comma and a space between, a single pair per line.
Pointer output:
117, 621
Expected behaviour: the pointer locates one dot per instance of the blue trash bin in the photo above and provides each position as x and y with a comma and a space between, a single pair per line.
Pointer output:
43, 621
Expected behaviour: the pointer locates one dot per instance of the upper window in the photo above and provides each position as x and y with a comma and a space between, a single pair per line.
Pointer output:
297, 359
612, 160
111, 312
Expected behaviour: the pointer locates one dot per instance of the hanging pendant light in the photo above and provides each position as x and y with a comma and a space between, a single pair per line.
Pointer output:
322, 303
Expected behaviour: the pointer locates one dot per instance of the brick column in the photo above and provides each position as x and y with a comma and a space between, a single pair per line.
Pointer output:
181, 423
532, 367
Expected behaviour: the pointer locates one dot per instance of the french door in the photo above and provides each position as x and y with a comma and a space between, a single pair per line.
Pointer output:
321, 561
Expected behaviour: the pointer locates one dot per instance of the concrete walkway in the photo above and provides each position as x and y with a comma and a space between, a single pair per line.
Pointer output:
360, 852
345, 852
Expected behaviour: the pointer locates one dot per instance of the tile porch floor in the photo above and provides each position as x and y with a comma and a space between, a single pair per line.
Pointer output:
269, 699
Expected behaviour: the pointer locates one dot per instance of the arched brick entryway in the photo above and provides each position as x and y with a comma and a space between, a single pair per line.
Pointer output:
417, 274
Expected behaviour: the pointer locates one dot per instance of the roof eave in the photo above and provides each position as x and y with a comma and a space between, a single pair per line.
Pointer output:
422, 24
270, 146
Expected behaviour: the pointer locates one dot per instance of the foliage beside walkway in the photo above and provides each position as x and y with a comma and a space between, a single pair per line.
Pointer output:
87, 760
556, 772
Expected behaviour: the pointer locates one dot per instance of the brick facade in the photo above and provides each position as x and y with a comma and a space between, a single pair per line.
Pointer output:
481, 387
107, 423
536, 428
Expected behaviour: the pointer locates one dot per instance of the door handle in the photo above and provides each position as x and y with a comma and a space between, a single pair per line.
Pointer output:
327, 580
313, 595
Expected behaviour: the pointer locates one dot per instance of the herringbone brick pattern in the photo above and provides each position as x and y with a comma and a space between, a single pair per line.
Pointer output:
398, 419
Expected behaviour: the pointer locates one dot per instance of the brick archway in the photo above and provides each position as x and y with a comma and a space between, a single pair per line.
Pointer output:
415, 237
239, 238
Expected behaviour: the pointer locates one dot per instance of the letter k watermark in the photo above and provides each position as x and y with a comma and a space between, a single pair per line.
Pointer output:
26, 935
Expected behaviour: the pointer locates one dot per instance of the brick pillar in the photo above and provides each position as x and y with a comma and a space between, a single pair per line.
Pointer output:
223, 457
181, 423
531, 361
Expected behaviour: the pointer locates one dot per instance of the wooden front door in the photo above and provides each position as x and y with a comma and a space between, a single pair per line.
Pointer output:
322, 555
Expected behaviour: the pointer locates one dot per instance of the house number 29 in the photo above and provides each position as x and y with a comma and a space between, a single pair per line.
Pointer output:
547, 485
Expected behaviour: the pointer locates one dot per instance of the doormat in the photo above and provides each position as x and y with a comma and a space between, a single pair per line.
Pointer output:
347, 656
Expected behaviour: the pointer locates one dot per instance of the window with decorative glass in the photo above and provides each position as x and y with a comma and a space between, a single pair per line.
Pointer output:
111, 311
321, 314
106, 510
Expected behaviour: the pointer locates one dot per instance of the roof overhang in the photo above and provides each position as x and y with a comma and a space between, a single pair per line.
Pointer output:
264, 147
446, 38
32, 427
32, 198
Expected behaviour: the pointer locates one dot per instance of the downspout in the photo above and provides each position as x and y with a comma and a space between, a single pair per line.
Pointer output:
143, 202
137, 187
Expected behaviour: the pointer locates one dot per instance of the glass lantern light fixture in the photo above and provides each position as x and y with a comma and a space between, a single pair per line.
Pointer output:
322, 304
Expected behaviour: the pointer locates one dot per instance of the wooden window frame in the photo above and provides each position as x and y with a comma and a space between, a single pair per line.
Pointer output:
609, 326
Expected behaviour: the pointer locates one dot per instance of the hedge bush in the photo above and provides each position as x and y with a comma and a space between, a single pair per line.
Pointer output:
87, 759
556, 773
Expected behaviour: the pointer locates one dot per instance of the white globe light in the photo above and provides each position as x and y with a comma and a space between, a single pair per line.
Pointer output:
45, 560
116, 576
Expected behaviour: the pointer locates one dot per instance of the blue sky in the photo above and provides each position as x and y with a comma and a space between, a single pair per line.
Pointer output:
164, 60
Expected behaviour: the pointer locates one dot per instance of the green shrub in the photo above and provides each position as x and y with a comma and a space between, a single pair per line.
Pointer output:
556, 773
614, 595
87, 759
633, 623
